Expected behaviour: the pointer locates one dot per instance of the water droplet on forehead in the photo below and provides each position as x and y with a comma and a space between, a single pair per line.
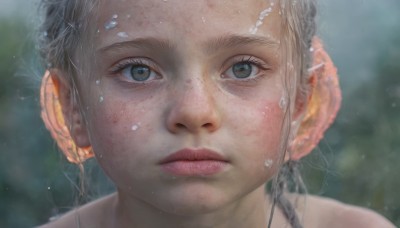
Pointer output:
112, 23
261, 17
122, 34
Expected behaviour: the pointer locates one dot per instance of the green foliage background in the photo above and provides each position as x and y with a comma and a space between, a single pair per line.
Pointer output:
357, 162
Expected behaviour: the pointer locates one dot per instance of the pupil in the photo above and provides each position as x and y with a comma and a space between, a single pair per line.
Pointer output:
140, 73
242, 70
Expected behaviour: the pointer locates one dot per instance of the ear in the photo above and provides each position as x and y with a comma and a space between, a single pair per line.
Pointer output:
318, 113
70, 108
301, 106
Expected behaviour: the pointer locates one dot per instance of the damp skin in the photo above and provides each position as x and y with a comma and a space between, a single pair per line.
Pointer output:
191, 102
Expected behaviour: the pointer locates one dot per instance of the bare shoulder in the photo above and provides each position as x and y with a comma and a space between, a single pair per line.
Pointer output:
334, 214
90, 215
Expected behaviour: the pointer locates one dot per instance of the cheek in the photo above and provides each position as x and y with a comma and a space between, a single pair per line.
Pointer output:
267, 121
115, 127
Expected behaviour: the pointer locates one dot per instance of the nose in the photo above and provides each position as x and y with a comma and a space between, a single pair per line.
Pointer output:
193, 109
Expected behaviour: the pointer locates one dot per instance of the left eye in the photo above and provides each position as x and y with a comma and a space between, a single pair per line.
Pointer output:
242, 70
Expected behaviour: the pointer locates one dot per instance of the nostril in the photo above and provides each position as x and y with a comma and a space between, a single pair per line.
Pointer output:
179, 125
208, 125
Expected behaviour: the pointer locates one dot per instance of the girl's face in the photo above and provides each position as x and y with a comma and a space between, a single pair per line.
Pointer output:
190, 76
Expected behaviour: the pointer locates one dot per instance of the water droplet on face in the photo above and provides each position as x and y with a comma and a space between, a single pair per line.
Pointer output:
49, 188
260, 21
97, 82
203, 19
101, 99
122, 34
135, 127
112, 23
283, 103
268, 163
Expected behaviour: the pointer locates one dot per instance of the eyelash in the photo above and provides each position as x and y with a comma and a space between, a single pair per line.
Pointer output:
132, 62
261, 66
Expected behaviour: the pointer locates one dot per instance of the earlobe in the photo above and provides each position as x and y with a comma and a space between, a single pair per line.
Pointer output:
62, 117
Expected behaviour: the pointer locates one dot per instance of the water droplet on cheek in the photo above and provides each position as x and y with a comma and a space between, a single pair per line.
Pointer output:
268, 163
101, 99
97, 82
283, 103
135, 127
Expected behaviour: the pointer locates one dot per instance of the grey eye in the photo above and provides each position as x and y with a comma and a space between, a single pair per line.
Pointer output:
140, 73
242, 70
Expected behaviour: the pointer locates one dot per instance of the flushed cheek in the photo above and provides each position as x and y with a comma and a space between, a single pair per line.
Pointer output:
266, 121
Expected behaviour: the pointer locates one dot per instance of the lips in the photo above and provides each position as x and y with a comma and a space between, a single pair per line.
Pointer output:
194, 162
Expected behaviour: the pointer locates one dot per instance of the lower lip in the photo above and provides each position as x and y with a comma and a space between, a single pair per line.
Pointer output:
194, 168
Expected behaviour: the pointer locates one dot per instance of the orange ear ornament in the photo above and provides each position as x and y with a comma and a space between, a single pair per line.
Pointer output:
323, 105
54, 121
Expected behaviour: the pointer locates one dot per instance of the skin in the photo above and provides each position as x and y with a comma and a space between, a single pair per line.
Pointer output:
193, 100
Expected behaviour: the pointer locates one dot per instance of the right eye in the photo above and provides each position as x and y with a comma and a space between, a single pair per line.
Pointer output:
136, 70
138, 73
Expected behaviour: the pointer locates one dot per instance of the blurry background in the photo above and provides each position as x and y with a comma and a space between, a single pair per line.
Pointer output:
358, 162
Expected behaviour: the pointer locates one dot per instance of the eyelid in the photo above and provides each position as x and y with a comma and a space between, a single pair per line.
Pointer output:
245, 58
134, 61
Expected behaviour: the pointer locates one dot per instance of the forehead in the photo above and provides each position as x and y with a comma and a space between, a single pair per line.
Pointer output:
197, 19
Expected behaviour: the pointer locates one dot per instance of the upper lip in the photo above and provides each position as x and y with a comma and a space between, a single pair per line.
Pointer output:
193, 155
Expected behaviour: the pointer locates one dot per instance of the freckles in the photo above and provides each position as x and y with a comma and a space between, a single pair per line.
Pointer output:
210, 4
115, 113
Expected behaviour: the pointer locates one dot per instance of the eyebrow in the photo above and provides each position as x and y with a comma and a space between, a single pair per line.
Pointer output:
231, 41
147, 42
211, 46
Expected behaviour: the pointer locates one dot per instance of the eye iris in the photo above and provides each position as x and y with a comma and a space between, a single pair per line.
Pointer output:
140, 73
242, 70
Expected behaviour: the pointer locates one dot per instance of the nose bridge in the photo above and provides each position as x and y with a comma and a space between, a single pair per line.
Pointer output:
193, 108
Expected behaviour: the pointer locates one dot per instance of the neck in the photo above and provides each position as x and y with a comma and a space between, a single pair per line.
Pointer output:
248, 211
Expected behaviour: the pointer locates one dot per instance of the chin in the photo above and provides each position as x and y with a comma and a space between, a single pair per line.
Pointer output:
196, 201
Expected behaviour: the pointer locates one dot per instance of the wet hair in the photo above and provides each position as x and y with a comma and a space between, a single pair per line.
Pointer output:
65, 30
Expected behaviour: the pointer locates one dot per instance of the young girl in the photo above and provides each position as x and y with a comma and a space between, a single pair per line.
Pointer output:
191, 107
